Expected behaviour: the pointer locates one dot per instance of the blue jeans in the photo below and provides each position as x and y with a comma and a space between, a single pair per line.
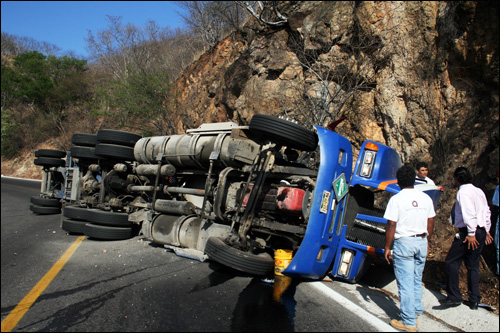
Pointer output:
409, 254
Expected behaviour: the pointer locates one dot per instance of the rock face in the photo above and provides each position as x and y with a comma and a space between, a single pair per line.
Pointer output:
421, 77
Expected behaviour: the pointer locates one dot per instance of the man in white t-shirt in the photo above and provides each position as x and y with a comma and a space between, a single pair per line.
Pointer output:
410, 220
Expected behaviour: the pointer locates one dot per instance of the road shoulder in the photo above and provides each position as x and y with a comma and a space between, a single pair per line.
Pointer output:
377, 293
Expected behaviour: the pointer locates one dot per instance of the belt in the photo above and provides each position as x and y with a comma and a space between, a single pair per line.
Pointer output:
465, 228
419, 235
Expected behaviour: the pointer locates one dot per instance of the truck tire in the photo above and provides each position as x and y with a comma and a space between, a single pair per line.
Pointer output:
73, 226
112, 219
42, 210
47, 202
84, 152
106, 232
115, 152
283, 132
75, 212
118, 137
84, 139
218, 250
49, 162
50, 153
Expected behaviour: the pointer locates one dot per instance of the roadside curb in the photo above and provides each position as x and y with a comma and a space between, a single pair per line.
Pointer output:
457, 319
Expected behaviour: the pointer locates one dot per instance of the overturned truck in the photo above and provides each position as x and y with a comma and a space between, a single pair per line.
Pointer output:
235, 194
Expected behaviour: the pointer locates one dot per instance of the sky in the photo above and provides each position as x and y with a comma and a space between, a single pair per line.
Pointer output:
66, 23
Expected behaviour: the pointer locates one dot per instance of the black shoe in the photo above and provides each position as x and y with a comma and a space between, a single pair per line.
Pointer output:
450, 303
472, 305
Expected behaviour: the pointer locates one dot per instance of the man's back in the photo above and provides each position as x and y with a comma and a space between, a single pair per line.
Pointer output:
472, 208
411, 209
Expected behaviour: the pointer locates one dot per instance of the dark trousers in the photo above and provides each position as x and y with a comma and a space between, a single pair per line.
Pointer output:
457, 253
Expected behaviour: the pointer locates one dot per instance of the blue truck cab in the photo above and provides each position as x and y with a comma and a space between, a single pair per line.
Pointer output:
346, 228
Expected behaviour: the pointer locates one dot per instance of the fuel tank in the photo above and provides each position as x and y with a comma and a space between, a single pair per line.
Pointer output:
225, 146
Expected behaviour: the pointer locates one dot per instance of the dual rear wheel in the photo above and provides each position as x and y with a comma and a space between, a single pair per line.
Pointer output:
97, 224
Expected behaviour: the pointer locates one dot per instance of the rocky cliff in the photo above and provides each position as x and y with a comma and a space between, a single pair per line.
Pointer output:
421, 77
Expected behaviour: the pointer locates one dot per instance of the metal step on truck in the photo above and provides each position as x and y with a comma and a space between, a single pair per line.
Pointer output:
236, 194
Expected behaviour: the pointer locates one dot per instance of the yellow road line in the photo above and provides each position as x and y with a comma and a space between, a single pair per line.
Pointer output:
20, 310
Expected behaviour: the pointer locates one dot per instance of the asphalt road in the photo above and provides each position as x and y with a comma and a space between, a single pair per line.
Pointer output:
134, 285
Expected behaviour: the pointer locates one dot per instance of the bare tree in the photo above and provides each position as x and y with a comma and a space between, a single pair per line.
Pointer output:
334, 73
180, 51
142, 62
8, 45
204, 22
12, 44
111, 47
125, 48
233, 14
265, 11
212, 20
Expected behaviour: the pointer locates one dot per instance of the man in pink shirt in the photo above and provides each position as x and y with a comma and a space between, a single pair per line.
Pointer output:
472, 218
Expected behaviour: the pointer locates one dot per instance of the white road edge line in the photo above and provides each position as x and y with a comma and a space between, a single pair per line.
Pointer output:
367, 317
34, 180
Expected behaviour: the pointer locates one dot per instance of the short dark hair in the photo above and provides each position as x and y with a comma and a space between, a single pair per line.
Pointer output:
463, 175
406, 176
421, 165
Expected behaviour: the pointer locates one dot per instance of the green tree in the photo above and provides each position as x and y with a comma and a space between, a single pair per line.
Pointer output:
32, 81
147, 96
9, 76
69, 85
10, 145
36, 78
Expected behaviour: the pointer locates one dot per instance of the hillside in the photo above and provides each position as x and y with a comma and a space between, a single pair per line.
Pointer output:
421, 77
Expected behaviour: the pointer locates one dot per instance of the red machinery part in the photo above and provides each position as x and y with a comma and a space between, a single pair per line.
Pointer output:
290, 199
286, 199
